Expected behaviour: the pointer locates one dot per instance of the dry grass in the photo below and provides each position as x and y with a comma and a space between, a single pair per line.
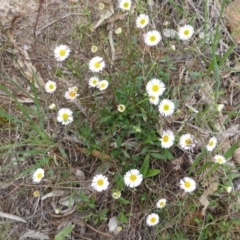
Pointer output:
73, 155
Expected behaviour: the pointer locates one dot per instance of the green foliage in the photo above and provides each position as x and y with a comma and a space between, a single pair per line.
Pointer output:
64, 232
231, 150
146, 172
122, 217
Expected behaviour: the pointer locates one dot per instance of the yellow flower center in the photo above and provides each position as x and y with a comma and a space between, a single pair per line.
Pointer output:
166, 107
219, 160
100, 182
155, 88
94, 48
186, 32
102, 85
36, 193
65, 117
39, 175
161, 204
62, 52
187, 184
121, 108
101, 6
188, 141
119, 229
72, 94
97, 64
133, 177
153, 97
152, 38
165, 138
142, 21
126, 5
51, 86
115, 195
210, 143
94, 82
153, 220
75, 88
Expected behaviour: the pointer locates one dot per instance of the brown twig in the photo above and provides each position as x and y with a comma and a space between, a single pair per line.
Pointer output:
35, 25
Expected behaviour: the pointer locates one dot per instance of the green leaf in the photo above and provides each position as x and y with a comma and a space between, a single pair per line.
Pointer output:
125, 154
124, 201
204, 167
83, 196
122, 217
214, 168
119, 141
61, 235
226, 55
63, 152
144, 150
145, 166
197, 160
167, 154
106, 119
152, 172
231, 150
158, 156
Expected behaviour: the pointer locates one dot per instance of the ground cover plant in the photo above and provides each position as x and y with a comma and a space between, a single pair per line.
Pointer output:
119, 120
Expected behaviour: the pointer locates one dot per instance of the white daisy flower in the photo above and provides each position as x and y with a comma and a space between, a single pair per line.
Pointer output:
121, 108
155, 87
154, 99
61, 52
100, 183
36, 194
101, 6
94, 49
38, 175
71, 94
75, 88
152, 38
220, 107
220, 159
185, 32
96, 64
133, 178
167, 139
50, 86
103, 84
161, 203
118, 31
93, 82
116, 195
188, 184
52, 106
152, 219
119, 228
142, 20
187, 141
125, 5
166, 107
211, 144
65, 116
172, 47
228, 189
166, 23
